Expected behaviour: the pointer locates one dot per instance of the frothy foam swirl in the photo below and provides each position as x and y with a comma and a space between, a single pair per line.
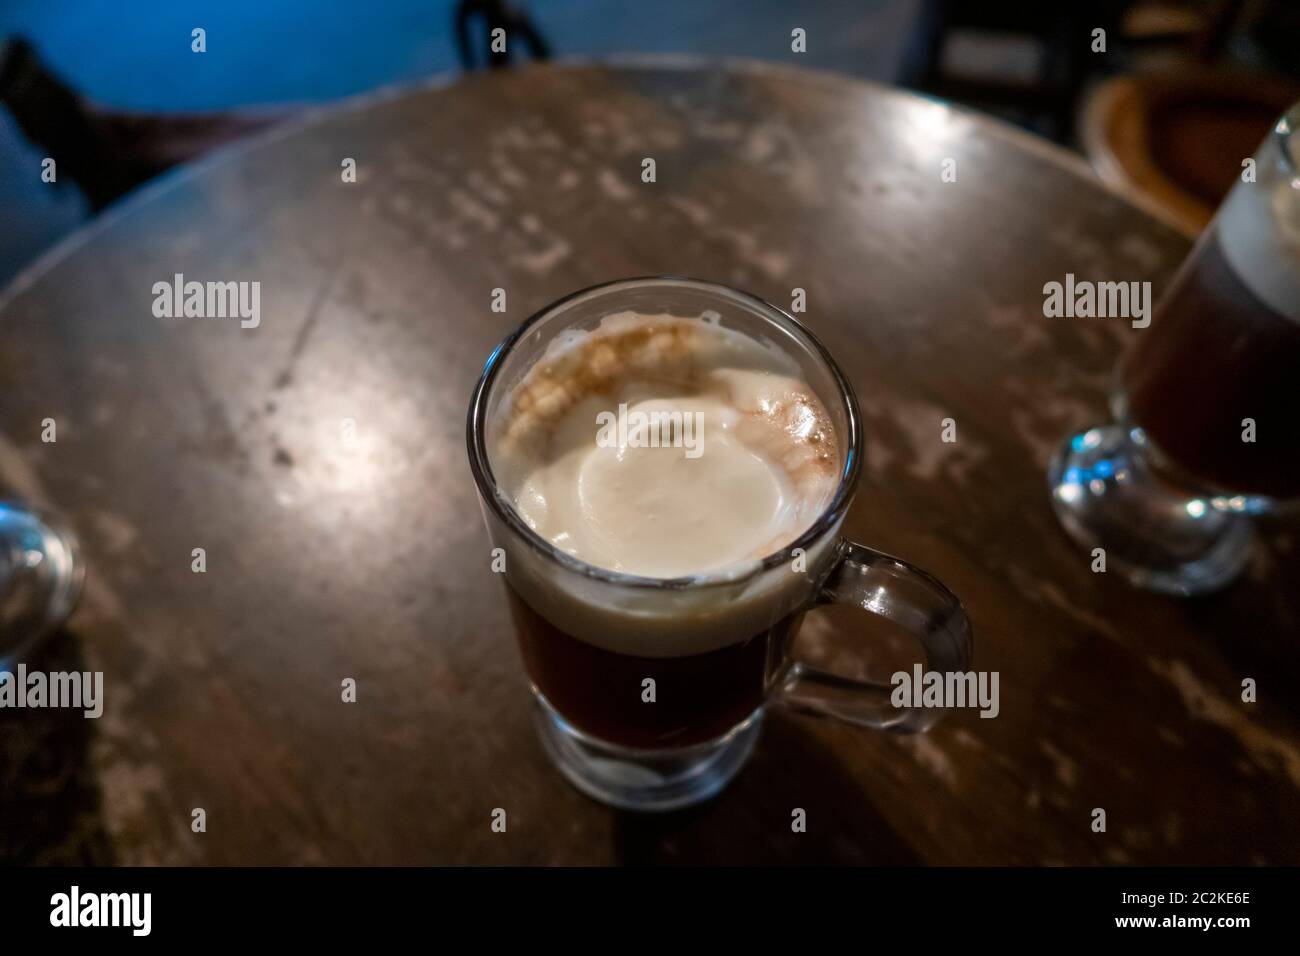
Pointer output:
669, 502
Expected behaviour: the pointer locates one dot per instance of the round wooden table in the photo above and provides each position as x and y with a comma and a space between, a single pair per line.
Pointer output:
318, 459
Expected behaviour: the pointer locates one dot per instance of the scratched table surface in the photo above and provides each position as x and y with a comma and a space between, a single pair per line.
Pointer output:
361, 555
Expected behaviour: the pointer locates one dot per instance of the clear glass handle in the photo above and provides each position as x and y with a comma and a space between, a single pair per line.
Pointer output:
907, 596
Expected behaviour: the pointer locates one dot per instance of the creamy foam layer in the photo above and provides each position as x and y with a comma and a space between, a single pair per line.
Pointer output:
743, 459
1258, 230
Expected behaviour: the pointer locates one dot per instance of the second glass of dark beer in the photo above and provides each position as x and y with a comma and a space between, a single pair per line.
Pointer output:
1208, 401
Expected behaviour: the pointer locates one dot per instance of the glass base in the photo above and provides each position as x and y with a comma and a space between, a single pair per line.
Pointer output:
40, 578
1157, 535
645, 780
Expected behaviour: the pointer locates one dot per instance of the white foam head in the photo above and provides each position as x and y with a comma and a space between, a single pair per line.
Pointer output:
663, 447
1258, 226
745, 461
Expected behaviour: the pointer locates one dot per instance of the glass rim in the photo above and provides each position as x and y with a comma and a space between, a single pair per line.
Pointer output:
496, 499
1283, 131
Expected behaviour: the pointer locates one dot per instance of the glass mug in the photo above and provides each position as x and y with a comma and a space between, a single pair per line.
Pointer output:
1207, 429
695, 736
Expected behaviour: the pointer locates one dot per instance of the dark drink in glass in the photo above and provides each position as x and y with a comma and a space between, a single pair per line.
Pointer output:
1208, 404
698, 696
